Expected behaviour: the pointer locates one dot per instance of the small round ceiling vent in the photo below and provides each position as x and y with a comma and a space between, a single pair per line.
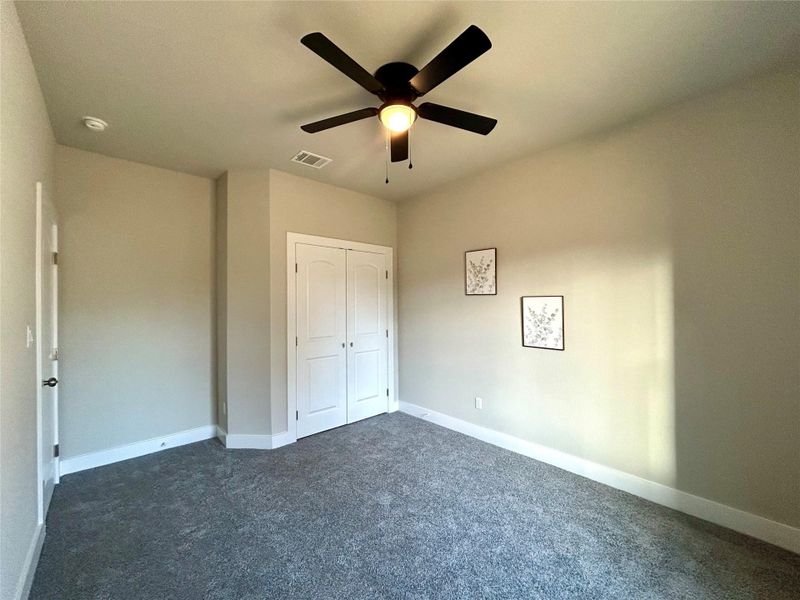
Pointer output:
95, 124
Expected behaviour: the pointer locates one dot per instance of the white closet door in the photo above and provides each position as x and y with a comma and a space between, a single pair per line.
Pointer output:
321, 336
366, 335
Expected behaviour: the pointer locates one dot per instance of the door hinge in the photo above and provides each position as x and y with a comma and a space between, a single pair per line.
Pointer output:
55, 258
55, 451
297, 415
387, 274
387, 333
295, 341
387, 392
295, 267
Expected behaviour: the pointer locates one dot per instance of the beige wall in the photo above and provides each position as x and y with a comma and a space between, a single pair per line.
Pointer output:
26, 156
137, 316
247, 302
301, 205
676, 243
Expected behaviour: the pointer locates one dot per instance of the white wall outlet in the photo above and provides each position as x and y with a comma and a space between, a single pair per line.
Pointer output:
28, 336
478, 403
224, 408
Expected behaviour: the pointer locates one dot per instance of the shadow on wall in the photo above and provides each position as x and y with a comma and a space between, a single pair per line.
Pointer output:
599, 235
735, 191
675, 245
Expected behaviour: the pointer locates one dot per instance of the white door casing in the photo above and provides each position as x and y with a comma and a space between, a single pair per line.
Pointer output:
388, 403
367, 335
46, 348
320, 340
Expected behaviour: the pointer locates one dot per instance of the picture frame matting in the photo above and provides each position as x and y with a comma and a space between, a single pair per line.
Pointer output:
542, 322
480, 272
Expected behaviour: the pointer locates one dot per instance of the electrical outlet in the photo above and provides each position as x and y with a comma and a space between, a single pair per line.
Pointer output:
28, 336
478, 403
224, 408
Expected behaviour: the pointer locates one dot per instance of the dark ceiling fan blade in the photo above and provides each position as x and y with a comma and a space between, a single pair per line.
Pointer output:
463, 50
331, 53
356, 115
399, 146
456, 118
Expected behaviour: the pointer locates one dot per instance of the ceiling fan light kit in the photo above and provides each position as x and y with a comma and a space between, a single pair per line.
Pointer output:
398, 85
398, 117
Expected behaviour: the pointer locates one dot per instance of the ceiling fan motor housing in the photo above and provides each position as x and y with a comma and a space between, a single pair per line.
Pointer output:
396, 77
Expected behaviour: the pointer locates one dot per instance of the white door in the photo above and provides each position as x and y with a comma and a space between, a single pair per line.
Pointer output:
321, 337
47, 347
367, 335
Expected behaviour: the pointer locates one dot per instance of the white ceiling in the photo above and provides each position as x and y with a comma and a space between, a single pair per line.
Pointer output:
202, 87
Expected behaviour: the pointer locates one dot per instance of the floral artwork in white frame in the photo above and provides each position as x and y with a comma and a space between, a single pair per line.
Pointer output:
480, 272
543, 322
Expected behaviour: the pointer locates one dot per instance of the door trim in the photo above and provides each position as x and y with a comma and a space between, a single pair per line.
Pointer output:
42, 501
292, 239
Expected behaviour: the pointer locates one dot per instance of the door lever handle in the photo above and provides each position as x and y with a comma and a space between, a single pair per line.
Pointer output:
52, 382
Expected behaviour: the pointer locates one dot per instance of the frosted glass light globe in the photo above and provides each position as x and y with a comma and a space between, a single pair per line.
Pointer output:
398, 117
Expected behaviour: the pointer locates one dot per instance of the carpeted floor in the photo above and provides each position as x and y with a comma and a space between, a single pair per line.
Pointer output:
392, 507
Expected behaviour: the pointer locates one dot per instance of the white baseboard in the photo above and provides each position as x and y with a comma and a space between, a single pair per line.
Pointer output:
282, 439
780, 534
248, 440
222, 435
90, 460
240, 441
25, 580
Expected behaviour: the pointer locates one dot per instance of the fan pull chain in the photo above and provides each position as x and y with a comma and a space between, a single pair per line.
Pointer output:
386, 161
410, 165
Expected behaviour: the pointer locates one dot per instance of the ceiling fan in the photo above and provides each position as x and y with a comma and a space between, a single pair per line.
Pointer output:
399, 84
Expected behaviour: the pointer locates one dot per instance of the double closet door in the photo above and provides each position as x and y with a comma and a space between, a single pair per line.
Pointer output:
342, 337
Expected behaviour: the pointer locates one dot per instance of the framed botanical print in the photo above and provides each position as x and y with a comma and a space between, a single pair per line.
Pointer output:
480, 272
543, 322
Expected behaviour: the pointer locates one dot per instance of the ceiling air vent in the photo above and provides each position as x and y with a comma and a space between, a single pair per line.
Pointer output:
311, 160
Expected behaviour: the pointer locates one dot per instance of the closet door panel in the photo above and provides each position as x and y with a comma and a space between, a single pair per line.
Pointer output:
321, 334
366, 334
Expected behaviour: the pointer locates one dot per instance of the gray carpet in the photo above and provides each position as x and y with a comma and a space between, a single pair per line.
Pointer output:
392, 507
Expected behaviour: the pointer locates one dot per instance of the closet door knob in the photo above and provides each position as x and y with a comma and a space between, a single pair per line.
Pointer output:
342, 344
351, 344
